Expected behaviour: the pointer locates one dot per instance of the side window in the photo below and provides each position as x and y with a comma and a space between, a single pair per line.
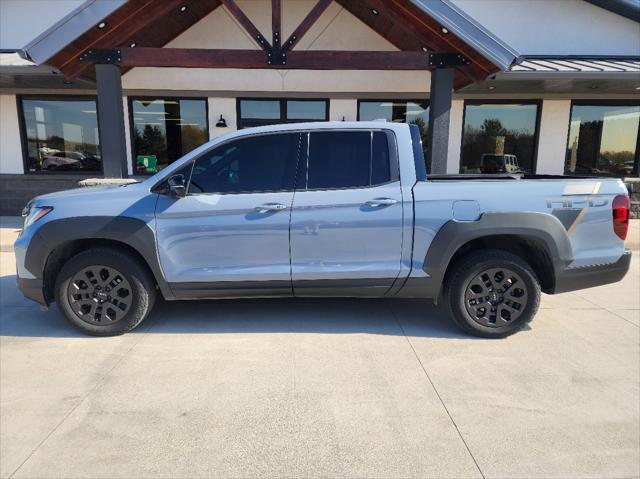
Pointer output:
380, 163
253, 164
347, 159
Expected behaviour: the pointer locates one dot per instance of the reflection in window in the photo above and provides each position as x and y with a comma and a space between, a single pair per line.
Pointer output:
260, 109
309, 110
399, 111
260, 112
603, 139
499, 138
252, 164
61, 134
347, 159
165, 130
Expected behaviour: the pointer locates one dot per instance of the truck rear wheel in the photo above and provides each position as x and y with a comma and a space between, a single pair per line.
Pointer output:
492, 293
104, 291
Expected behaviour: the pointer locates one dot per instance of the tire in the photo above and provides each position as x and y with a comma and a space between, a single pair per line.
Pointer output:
491, 293
105, 291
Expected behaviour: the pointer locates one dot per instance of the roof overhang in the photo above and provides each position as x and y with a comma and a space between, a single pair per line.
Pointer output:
71, 27
566, 74
627, 8
469, 31
435, 25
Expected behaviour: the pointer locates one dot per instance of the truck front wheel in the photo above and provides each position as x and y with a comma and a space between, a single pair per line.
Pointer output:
491, 293
104, 291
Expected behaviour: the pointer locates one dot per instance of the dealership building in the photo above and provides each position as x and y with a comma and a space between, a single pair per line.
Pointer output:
116, 88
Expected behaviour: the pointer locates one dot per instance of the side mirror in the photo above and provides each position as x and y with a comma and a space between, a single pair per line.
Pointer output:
177, 185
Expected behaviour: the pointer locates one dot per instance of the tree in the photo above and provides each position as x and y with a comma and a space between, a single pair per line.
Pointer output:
493, 127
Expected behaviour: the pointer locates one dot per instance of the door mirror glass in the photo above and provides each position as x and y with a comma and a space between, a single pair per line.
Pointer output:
177, 185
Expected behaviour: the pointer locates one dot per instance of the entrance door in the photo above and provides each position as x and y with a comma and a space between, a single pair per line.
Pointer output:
346, 226
230, 234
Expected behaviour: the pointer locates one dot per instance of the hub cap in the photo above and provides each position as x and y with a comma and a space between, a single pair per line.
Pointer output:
495, 297
99, 295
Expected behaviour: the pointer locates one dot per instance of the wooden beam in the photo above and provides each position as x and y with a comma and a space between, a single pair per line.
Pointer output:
306, 24
276, 22
254, 59
247, 24
145, 13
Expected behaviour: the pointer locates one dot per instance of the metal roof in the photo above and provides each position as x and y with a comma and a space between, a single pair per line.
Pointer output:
468, 30
576, 67
565, 74
627, 8
73, 25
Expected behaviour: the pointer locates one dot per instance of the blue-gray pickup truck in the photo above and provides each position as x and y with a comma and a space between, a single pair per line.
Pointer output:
321, 209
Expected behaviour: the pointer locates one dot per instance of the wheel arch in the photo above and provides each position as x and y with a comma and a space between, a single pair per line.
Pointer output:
538, 238
57, 241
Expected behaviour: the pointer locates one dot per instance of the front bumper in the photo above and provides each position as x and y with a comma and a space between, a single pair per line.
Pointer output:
32, 289
572, 279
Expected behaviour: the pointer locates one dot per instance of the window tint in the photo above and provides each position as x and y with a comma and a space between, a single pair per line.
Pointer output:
413, 112
380, 164
259, 163
165, 129
347, 159
61, 134
494, 132
603, 140
259, 112
307, 110
260, 109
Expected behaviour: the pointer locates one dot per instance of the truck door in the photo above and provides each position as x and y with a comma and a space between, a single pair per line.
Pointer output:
230, 233
346, 222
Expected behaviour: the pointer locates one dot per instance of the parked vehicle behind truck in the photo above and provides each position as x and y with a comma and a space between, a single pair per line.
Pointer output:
321, 209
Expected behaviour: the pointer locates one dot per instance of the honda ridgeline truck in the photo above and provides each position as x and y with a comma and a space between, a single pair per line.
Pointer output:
321, 209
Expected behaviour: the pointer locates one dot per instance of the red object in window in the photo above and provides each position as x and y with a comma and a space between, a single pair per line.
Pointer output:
621, 215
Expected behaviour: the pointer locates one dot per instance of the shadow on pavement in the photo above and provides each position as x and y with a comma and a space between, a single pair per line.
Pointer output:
23, 318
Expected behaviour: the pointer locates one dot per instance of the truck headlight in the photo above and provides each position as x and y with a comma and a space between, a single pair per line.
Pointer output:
31, 214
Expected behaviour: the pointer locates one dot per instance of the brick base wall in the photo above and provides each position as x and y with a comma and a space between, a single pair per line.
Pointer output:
17, 190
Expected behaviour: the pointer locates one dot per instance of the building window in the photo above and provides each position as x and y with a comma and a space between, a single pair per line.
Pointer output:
60, 134
499, 137
260, 111
165, 129
414, 112
603, 139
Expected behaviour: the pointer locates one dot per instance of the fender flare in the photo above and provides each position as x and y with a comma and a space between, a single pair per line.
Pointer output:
132, 232
541, 227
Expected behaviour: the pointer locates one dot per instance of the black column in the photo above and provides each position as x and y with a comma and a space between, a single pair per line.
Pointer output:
439, 110
111, 121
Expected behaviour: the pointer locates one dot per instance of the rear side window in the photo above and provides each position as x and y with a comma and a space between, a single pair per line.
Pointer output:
253, 164
347, 159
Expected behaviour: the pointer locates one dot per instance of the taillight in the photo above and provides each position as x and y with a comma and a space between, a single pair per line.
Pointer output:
621, 216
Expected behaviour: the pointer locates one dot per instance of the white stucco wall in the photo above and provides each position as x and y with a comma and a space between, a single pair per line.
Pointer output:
336, 29
339, 109
225, 107
10, 148
455, 136
556, 27
552, 139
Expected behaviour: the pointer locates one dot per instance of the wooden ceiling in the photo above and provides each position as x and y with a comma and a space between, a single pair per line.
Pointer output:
154, 23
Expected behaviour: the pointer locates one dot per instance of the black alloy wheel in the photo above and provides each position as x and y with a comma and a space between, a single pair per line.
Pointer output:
491, 293
100, 294
105, 291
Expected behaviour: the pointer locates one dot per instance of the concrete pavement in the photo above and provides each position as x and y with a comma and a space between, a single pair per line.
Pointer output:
322, 388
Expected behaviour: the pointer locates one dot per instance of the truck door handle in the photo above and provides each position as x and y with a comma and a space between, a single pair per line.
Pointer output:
381, 202
270, 207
